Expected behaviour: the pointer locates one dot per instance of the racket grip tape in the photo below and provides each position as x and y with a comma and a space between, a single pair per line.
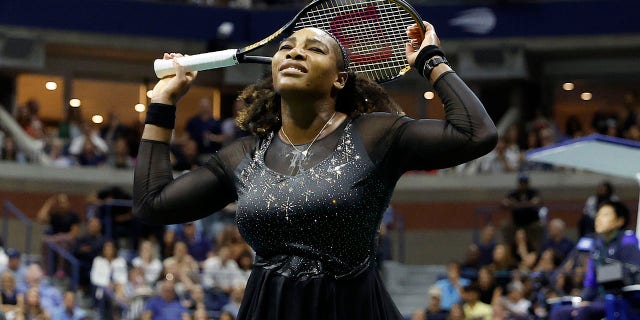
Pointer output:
198, 62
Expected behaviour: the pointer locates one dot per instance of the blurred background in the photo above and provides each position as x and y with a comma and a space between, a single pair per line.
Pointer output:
74, 82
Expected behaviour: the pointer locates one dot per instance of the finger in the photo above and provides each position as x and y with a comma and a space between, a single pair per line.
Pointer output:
180, 72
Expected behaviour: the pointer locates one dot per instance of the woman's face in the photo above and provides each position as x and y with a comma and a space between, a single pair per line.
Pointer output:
108, 250
607, 220
307, 61
8, 282
180, 250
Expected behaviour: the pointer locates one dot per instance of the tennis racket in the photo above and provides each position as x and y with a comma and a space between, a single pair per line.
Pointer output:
373, 32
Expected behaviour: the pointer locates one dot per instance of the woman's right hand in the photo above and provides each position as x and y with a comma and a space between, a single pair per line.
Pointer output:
417, 40
170, 89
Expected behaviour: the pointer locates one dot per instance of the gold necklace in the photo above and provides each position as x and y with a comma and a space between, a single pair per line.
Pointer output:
306, 151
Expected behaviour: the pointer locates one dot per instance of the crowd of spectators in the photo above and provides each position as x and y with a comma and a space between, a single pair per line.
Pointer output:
541, 131
198, 270
195, 270
508, 274
74, 141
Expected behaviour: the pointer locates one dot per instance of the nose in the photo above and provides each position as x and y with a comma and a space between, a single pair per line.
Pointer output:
296, 53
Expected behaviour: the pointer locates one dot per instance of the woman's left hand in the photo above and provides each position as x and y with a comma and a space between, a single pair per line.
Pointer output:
430, 38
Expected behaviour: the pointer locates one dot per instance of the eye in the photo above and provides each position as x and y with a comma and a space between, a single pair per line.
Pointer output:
316, 49
285, 46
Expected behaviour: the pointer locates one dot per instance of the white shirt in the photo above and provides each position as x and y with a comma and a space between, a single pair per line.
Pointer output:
104, 273
77, 143
218, 275
151, 270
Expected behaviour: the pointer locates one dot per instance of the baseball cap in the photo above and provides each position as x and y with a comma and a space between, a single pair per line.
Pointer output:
435, 291
13, 253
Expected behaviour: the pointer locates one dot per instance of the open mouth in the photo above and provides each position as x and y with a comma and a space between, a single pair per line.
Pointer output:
293, 67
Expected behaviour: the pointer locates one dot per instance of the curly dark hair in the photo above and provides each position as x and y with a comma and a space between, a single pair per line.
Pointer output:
262, 112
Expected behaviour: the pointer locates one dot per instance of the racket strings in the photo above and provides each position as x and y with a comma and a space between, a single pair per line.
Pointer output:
373, 33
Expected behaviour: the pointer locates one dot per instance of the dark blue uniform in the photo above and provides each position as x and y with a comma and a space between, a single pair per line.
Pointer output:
624, 248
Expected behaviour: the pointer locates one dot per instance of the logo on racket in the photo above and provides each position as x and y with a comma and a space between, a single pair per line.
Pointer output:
363, 47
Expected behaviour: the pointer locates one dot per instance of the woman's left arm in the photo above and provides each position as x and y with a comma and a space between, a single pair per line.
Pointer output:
466, 133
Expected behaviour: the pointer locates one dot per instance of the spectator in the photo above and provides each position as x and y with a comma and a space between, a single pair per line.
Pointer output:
197, 299
168, 243
46, 296
148, 263
113, 130
230, 237
10, 152
605, 122
220, 275
501, 159
64, 228
119, 157
604, 192
90, 155
118, 220
108, 275
547, 263
165, 305
456, 312
182, 269
136, 292
245, 263
88, 247
57, 156
472, 306
34, 307
186, 156
80, 144
204, 129
502, 265
17, 267
524, 203
451, 286
11, 300
573, 129
182, 259
486, 284
486, 243
71, 125
69, 309
433, 311
197, 244
471, 263
514, 306
523, 251
557, 240
230, 128
29, 119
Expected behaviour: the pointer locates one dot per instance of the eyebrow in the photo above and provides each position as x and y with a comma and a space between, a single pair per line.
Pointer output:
308, 41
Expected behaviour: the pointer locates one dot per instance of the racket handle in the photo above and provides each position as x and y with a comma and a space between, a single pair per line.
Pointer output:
198, 62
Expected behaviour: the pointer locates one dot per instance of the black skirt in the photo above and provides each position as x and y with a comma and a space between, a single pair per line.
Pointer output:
272, 296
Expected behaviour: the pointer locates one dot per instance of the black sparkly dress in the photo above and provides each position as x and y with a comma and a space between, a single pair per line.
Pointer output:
314, 224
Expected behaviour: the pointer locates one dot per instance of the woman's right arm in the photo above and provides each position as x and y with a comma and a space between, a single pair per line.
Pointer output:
157, 197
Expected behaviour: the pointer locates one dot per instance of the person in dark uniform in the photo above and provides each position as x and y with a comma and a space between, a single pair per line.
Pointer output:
612, 244
313, 180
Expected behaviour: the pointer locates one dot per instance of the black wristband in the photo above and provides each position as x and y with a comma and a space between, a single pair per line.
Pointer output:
161, 115
424, 55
